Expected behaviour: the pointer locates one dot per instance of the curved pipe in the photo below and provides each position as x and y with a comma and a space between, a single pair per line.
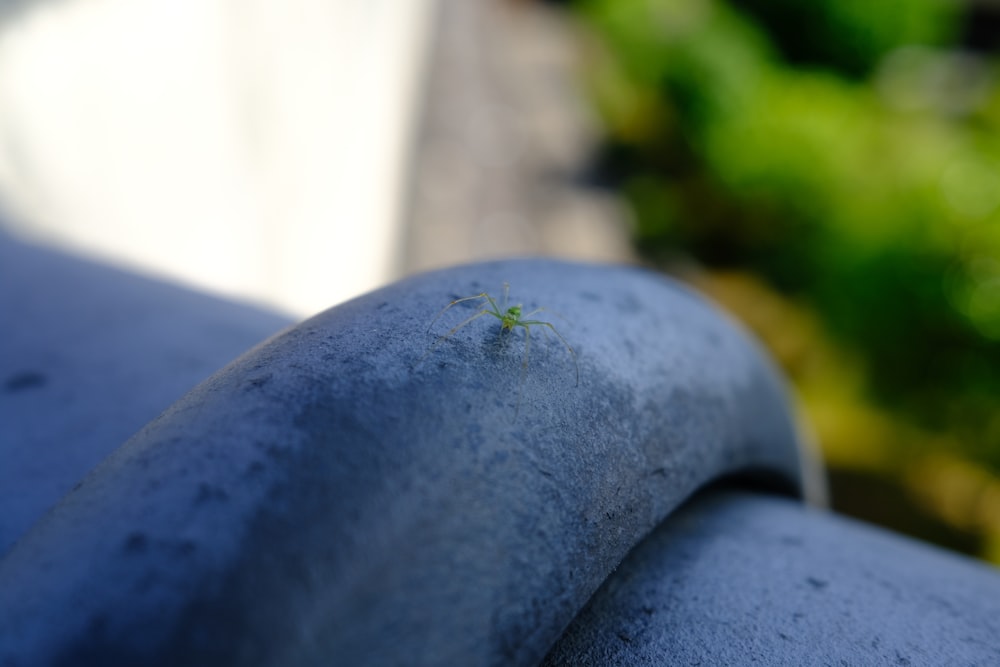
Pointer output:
351, 492
740, 578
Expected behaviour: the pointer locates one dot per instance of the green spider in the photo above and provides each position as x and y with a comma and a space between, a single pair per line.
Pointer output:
510, 317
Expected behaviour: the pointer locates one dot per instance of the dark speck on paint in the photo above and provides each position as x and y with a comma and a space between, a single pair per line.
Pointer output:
136, 543
818, 584
24, 380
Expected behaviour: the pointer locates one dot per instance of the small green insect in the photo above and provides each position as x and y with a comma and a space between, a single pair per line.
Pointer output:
510, 317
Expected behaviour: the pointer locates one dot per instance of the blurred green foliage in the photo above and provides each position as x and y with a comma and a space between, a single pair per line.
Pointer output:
851, 36
846, 154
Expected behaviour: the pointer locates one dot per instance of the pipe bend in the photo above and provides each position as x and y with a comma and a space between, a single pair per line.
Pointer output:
359, 490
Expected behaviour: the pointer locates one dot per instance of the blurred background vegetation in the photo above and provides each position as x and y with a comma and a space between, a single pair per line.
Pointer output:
830, 172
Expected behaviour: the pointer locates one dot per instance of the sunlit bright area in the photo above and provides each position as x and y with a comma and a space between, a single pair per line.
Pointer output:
251, 148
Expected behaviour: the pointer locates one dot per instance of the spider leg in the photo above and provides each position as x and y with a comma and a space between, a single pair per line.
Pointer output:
484, 295
547, 310
441, 339
536, 310
569, 348
493, 304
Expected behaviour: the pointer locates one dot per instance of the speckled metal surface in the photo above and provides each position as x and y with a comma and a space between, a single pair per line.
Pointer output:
737, 578
338, 495
88, 355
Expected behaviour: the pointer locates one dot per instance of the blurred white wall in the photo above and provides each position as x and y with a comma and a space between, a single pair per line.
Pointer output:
251, 147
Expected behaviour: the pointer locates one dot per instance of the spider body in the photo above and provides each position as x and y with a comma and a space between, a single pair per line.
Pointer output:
510, 317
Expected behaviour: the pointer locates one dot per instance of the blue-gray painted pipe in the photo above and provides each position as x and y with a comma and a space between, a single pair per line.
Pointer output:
736, 578
354, 492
